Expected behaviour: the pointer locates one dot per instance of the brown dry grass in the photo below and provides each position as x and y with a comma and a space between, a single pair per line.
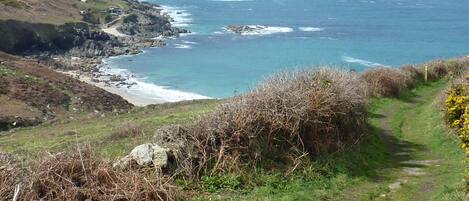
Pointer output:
83, 176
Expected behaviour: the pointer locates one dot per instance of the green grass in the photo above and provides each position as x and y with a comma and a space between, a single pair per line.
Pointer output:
105, 4
13, 3
5, 71
95, 129
423, 125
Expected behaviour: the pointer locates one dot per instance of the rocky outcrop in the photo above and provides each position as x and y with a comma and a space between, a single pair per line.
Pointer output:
146, 21
241, 29
144, 155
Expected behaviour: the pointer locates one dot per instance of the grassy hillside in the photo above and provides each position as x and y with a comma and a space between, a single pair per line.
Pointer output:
32, 93
54, 12
112, 135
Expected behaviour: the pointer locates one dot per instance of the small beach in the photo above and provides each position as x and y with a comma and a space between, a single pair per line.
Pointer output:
118, 90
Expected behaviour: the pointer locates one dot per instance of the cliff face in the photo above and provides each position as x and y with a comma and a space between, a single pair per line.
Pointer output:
146, 21
83, 39
28, 38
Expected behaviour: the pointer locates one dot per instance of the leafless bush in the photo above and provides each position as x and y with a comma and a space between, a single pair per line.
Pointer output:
11, 174
458, 66
82, 176
436, 69
309, 111
414, 74
385, 81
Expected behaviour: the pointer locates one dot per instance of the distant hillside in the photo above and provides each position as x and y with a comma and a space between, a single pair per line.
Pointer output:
53, 12
31, 93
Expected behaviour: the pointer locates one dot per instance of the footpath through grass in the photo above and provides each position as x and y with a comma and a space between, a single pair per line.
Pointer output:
427, 163
409, 155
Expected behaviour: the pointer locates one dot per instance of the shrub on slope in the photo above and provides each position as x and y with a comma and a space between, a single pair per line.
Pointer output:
80, 176
457, 115
385, 81
310, 111
390, 82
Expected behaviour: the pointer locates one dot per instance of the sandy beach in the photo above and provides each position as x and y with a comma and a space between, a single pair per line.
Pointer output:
122, 91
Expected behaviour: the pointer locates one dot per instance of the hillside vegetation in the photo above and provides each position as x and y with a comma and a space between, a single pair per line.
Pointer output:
33, 93
320, 134
55, 12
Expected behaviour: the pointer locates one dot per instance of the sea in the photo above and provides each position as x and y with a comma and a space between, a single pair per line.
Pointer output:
211, 62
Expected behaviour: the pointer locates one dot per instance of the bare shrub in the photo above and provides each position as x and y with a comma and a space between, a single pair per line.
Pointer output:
290, 114
11, 174
4, 85
436, 69
457, 67
414, 75
385, 81
82, 176
176, 140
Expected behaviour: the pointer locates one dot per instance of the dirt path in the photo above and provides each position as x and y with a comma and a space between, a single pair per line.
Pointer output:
425, 162
401, 152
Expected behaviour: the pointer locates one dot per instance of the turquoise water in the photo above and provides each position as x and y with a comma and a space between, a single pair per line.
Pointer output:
351, 34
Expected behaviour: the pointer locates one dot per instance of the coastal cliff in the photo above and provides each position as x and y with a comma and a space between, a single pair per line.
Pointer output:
133, 26
74, 36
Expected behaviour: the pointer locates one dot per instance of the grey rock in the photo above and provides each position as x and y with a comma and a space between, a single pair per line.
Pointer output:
144, 155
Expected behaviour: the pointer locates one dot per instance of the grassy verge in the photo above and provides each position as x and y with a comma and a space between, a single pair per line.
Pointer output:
97, 130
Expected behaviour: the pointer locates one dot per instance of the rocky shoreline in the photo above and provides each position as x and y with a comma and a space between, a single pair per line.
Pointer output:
150, 28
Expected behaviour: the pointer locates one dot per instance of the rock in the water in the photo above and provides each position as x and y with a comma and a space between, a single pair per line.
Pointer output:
240, 29
144, 155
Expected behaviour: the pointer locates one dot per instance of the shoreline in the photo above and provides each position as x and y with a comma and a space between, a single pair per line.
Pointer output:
136, 100
97, 73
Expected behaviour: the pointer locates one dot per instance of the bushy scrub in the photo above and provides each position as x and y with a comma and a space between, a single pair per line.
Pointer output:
390, 82
385, 81
457, 113
285, 118
80, 176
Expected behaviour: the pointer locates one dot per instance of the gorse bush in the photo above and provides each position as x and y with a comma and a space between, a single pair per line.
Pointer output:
385, 81
309, 111
457, 115
390, 82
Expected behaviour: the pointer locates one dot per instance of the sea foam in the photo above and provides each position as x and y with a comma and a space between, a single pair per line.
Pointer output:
180, 16
142, 88
361, 62
182, 46
310, 29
